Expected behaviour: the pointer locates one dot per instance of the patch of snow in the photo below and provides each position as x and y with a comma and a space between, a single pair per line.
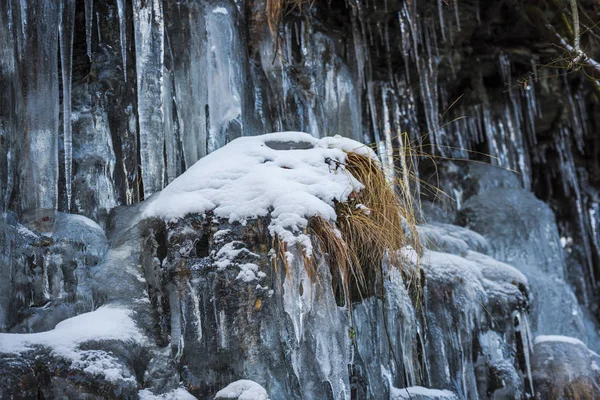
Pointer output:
595, 366
228, 253
364, 209
564, 339
26, 232
219, 234
558, 338
248, 272
409, 254
220, 10
175, 394
409, 392
243, 389
86, 221
348, 145
106, 323
248, 178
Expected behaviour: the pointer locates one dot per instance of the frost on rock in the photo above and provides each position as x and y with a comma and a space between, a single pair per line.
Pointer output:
242, 390
290, 176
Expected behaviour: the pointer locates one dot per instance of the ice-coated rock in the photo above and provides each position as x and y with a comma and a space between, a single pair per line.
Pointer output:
564, 368
521, 231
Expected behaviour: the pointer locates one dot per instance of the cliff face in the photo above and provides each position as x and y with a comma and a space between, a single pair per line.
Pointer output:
492, 92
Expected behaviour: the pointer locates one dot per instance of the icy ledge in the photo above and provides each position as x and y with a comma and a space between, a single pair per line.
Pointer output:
290, 176
65, 340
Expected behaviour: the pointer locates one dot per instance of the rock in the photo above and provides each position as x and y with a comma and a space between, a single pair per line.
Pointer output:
564, 368
452, 239
199, 303
46, 272
522, 232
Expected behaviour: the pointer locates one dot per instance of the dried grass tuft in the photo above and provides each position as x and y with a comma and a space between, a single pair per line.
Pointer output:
277, 9
373, 225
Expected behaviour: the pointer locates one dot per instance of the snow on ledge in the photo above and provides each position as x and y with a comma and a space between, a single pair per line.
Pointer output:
420, 392
243, 389
290, 176
557, 338
106, 323
175, 394
564, 339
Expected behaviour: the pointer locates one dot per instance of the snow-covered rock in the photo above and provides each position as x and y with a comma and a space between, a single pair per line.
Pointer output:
242, 390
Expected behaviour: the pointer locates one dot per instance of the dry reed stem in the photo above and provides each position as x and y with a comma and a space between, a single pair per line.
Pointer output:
276, 10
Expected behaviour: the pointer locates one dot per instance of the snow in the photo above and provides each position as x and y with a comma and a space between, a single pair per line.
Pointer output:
228, 253
220, 10
558, 338
248, 272
282, 175
85, 221
564, 339
409, 392
106, 323
175, 394
243, 390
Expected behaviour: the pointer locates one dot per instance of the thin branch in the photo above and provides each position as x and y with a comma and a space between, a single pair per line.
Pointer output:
580, 56
575, 13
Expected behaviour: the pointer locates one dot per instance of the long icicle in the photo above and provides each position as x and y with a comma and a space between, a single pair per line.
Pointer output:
89, 21
67, 21
123, 35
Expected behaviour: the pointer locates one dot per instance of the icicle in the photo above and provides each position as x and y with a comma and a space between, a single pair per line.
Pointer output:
388, 151
98, 27
405, 37
429, 95
594, 218
441, 18
457, 15
9, 84
171, 149
149, 49
89, 21
67, 23
570, 179
505, 69
359, 48
123, 35
24, 14
531, 103
38, 159
527, 343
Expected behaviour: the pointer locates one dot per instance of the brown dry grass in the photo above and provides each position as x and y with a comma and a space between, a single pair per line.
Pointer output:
370, 227
277, 9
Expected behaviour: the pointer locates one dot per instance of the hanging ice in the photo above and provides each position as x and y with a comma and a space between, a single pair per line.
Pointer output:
123, 35
89, 21
149, 46
38, 158
67, 22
